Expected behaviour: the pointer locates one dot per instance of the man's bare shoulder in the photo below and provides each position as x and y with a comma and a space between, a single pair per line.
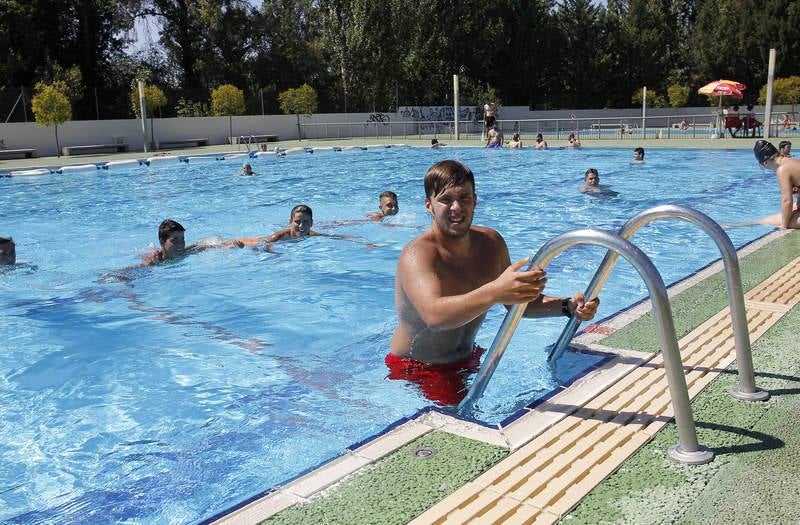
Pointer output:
421, 247
484, 234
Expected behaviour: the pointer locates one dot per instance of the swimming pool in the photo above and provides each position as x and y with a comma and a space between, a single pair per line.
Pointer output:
173, 396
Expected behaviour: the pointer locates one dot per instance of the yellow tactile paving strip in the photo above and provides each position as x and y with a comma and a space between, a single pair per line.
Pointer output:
545, 478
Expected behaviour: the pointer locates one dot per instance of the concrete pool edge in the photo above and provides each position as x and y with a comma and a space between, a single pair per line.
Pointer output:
521, 431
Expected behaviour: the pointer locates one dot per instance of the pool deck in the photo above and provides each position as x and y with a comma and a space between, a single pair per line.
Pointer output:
596, 453
629, 143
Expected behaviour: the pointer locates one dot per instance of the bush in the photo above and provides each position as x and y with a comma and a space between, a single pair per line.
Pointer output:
227, 100
678, 95
299, 101
784, 91
654, 100
51, 107
190, 108
154, 98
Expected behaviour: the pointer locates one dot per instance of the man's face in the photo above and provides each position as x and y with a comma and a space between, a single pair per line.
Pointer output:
300, 224
388, 206
786, 150
8, 253
638, 156
453, 209
173, 245
591, 179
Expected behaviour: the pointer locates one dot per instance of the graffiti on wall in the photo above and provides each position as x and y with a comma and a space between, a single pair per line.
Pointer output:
440, 113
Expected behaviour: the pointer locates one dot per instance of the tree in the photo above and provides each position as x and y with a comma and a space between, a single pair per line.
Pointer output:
51, 107
302, 100
154, 99
654, 100
678, 95
784, 91
227, 100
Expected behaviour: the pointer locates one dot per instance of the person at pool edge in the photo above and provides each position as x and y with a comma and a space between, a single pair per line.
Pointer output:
448, 278
787, 170
387, 204
8, 251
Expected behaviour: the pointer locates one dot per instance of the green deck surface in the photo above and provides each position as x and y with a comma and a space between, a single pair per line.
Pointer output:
697, 304
755, 477
400, 486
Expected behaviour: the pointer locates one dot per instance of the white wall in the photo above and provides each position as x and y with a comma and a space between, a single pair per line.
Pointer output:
81, 132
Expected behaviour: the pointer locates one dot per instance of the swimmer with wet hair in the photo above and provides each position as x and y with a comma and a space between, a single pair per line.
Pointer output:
785, 148
638, 155
591, 184
387, 204
173, 244
247, 170
8, 251
436, 144
516, 142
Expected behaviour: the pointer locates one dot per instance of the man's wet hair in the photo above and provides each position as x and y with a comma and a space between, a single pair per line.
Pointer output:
446, 174
639, 150
388, 194
166, 228
6, 240
782, 144
302, 208
434, 142
590, 170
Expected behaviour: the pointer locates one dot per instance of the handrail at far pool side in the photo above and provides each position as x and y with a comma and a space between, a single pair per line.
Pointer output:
746, 389
687, 450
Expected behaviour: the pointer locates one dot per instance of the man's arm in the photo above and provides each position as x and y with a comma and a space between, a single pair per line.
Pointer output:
418, 280
785, 184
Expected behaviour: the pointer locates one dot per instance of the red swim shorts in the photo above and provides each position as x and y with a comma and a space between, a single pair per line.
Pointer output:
442, 383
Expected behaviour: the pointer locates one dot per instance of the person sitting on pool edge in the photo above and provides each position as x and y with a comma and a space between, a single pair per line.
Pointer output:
387, 204
638, 155
448, 278
540, 143
247, 170
436, 144
787, 170
8, 251
173, 244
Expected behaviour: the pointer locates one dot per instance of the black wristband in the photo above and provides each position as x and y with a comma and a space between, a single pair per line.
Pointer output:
565, 307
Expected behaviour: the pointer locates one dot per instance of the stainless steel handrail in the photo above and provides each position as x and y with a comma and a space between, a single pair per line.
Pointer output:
746, 388
687, 450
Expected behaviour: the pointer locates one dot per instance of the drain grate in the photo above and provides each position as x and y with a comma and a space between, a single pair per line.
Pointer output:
424, 453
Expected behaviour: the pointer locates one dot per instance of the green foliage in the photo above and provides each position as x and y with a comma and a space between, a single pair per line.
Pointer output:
154, 98
227, 100
50, 105
189, 108
69, 81
784, 91
473, 93
654, 100
678, 95
299, 101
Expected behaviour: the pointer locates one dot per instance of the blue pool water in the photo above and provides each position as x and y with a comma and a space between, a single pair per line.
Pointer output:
170, 397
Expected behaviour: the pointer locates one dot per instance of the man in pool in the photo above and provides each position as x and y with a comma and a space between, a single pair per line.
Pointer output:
387, 204
247, 170
638, 155
448, 278
494, 137
8, 251
173, 244
785, 148
787, 170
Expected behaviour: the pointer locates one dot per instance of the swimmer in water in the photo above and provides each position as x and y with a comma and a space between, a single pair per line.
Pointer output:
591, 184
638, 155
573, 142
247, 170
436, 144
173, 244
516, 142
387, 204
8, 251
540, 143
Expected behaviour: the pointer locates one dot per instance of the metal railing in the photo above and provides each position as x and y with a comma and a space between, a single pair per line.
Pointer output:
697, 126
746, 389
687, 450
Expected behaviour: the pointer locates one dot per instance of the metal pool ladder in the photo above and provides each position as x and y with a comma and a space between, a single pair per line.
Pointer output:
746, 389
687, 450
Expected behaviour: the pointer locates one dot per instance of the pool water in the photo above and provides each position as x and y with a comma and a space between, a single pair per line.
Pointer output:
173, 394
